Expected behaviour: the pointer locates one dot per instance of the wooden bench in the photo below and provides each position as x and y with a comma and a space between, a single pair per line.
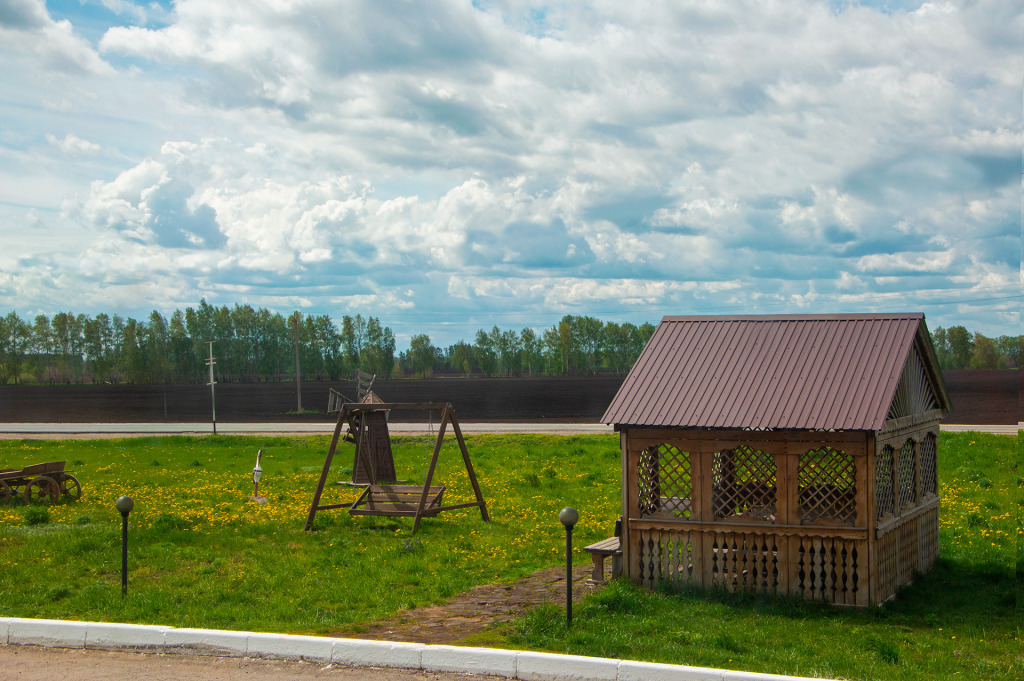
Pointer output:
600, 551
397, 500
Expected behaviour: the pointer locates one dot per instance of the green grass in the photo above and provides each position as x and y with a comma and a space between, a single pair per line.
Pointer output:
960, 619
203, 555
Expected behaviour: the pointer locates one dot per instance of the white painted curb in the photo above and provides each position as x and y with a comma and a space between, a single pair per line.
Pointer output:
511, 664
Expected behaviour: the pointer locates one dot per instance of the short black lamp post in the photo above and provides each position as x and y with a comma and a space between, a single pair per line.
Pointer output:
125, 506
569, 517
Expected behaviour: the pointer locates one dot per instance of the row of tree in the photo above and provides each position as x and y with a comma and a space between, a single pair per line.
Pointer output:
251, 345
576, 345
958, 348
248, 345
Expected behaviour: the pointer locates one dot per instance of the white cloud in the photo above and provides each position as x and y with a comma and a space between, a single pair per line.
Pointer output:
26, 28
749, 156
74, 146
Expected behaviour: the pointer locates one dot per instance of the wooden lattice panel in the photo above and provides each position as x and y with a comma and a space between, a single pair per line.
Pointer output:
647, 481
908, 555
827, 486
743, 484
928, 538
746, 561
666, 556
907, 469
929, 465
830, 569
884, 483
885, 583
664, 481
914, 393
909, 548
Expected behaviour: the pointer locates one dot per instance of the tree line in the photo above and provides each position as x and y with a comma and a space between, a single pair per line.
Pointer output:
958, 348
249, 345
255, 344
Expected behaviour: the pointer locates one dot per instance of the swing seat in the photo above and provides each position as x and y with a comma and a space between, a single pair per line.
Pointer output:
397, 500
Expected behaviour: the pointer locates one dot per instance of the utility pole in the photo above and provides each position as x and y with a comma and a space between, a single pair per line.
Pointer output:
213, 398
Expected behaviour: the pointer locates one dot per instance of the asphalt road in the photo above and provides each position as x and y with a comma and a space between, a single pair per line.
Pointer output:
128, 429
100, 430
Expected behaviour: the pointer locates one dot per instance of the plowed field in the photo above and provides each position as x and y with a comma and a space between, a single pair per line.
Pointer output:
979, 397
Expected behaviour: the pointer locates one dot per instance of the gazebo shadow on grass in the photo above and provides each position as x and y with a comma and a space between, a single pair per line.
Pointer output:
950, 593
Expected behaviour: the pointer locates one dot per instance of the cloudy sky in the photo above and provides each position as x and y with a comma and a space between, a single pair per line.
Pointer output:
454, 164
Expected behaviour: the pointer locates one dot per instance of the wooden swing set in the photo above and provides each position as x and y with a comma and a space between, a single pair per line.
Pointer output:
411, 501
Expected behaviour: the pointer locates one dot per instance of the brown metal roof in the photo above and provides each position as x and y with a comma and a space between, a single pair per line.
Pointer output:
778, 371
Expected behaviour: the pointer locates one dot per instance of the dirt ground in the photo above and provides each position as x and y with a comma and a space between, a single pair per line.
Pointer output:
979, 397
31, 663
475, 399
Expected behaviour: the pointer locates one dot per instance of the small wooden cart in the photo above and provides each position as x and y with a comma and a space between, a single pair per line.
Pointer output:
39, 482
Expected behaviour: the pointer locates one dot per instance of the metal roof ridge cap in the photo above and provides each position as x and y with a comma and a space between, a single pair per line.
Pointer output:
858, 316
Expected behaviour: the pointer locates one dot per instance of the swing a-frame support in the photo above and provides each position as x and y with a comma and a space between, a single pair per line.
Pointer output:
410, 501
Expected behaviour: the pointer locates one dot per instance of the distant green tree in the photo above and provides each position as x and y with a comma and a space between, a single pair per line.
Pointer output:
353, 337
461, 357
985, 353
421, 354
940, 342
131, 360
485, 353
961, 346
182, 351
1009, 348
589, 337
378, 356
67, 331
507, 351
155, 346
43, 348
532, 351
15, 341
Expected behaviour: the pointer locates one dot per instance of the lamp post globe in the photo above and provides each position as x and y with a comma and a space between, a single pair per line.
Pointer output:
569, 517
124, 505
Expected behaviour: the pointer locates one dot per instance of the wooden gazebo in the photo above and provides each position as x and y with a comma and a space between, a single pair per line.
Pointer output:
782, 454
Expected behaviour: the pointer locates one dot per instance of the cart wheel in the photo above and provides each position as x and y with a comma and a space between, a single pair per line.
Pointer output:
43, 488
72, 488
5, 492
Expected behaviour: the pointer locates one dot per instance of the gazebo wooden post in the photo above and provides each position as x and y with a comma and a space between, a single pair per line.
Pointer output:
625, 542
632, 504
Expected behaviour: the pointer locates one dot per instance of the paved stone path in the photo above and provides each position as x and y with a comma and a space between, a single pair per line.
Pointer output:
467, 613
